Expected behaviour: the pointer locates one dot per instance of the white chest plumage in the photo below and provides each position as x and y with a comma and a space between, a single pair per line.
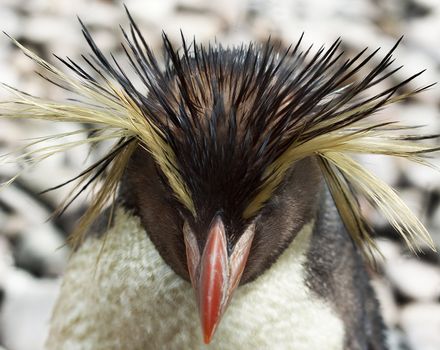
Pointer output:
130, 299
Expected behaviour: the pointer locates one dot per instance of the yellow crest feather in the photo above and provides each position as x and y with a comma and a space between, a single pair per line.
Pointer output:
118, 112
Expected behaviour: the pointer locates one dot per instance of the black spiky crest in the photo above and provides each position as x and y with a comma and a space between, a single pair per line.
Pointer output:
225, 124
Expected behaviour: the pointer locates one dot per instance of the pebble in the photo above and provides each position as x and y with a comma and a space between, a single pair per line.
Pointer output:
21, 203
423, 177
388, 306
435, 226
151, 13
421, 34
66, 165
431, 4
389, 250
6, 259
10, 22
414, 60
41, 250
422, 114
26, 310
9, 77
414, 278
10, 132
101, 14
231, 11
421, 322
45, 29
39, 246
381, 166
396, 339
204, 28
415, 201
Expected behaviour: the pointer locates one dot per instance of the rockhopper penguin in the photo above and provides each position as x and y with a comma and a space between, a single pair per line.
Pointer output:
233, 195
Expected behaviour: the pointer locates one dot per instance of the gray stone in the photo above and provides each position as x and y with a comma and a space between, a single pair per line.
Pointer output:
421, 322
39, 245
389, 250
19, 201
384, 293
381, 166
151, 12
41, 250
423, 177
396, 339
204, 28
10, 22
415, 201
6, 258
423, 34
101, 14
26, 310
435, 226
414, 278
47, 29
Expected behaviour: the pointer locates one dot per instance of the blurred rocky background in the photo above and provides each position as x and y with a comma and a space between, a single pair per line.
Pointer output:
32, 250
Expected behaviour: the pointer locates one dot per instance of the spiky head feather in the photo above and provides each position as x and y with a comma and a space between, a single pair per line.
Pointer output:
224, 125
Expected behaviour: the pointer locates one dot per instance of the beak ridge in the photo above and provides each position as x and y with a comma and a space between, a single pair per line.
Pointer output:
213, 282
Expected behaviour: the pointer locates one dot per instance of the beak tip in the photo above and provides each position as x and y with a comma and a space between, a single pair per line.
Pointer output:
206, 339
208, 333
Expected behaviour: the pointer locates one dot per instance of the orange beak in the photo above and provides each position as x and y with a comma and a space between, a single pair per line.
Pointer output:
215, 275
